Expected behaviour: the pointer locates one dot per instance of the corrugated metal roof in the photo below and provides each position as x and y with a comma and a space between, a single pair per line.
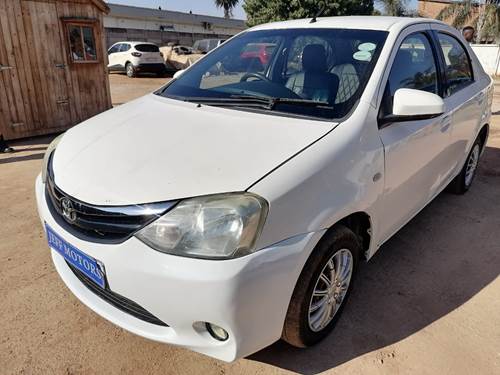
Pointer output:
133, 12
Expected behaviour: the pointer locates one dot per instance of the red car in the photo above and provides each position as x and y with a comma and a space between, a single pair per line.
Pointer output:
258, 51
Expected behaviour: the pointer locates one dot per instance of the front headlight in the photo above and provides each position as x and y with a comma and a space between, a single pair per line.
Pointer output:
46, 157
211, 227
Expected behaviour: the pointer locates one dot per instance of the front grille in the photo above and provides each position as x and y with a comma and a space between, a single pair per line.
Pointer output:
118, 301
105, 224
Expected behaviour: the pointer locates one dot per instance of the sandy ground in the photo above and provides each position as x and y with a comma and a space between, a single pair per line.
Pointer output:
427, 303
124, 89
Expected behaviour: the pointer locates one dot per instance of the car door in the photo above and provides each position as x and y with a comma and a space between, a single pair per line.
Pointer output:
464, 93
113, 56
417, 159
123, 56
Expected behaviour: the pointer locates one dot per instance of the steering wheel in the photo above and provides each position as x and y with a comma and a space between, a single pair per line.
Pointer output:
259, 76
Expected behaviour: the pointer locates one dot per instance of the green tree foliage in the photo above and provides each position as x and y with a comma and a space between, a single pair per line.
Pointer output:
485, 21
262, 11
394, 7
227, 5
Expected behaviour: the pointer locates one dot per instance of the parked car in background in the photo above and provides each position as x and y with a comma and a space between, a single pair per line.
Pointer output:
258, 54
206, 45
183, 50
136, 57
232, 208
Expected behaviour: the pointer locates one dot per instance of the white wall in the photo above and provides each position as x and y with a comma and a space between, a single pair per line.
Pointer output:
489, 56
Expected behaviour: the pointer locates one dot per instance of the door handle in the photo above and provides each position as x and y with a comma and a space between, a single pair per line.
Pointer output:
60, 66
480, 98
445, 123
5, 67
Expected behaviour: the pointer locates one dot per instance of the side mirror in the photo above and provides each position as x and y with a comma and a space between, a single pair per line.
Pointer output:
179, 73
410, 102
411, 105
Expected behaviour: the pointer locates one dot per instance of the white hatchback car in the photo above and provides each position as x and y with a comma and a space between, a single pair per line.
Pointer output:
136, 57
232, 207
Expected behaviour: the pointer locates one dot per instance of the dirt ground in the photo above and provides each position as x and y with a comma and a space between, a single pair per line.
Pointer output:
427, 303
124, 89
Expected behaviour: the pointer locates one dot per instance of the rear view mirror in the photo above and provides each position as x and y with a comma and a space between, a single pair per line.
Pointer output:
410, 104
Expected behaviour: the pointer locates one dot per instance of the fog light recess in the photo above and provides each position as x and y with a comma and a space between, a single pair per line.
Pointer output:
217, 332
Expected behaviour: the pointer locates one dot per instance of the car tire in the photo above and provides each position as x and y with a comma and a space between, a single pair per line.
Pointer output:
304, 325
129, 69
462, 183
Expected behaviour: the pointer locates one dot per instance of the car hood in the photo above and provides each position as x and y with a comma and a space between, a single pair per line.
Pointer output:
157, 149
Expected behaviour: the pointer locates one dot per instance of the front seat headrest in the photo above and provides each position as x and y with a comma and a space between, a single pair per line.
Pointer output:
314, 58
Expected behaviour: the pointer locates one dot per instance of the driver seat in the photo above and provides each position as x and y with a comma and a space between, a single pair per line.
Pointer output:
314, 82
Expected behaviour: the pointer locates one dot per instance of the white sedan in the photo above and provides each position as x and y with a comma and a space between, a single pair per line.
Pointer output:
231, 208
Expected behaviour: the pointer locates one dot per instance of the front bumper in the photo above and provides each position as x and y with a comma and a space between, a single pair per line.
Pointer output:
248, 296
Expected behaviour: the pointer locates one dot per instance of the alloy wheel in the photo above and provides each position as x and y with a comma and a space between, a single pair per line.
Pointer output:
330, 289
472, 162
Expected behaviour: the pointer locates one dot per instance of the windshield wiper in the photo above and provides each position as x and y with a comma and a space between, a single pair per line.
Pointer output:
259, 101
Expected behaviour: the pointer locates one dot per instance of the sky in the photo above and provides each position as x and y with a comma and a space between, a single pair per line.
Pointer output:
200, 6
206, 7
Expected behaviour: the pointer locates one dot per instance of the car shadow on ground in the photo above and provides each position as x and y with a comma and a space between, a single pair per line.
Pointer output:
436, 263
15, 159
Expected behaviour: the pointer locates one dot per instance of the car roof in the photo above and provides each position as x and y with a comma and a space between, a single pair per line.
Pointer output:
383, 23
134, 43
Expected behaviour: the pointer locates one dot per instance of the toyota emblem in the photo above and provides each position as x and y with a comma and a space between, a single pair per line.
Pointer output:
67, 210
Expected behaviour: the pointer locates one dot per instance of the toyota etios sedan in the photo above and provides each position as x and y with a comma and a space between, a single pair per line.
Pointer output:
231, 208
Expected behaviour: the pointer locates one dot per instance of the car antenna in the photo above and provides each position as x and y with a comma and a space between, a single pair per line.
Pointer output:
319, 13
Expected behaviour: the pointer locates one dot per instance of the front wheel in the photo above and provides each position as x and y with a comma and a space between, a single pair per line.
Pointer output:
323, 288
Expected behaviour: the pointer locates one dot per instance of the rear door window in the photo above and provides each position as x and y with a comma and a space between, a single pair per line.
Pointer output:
124, 47
458, 69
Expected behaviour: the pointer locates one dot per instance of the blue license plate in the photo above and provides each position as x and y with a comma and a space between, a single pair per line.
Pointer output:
88, 265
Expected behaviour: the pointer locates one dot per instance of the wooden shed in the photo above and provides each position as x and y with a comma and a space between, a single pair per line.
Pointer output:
53, 62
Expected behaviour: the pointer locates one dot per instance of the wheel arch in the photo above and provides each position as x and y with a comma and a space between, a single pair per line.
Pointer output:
483, 135
361, 224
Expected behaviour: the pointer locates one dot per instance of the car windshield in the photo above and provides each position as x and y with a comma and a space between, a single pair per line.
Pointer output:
306, 72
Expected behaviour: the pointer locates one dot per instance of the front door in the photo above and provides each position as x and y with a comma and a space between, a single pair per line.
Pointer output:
417, 158
34, 95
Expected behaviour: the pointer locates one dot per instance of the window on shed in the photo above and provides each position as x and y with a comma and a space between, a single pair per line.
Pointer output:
81, 38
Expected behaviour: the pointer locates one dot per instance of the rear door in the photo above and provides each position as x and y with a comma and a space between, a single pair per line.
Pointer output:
123, 55
417, 159
113, 60
464, 93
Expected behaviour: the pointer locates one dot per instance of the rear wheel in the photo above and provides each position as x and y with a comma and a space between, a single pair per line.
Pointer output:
322, 289
129, 68
462, 183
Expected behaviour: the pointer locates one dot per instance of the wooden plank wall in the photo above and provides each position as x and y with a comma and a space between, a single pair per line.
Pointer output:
29, 92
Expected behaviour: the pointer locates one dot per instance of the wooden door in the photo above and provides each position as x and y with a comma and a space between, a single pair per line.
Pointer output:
35, 88
16, 115
47, 52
